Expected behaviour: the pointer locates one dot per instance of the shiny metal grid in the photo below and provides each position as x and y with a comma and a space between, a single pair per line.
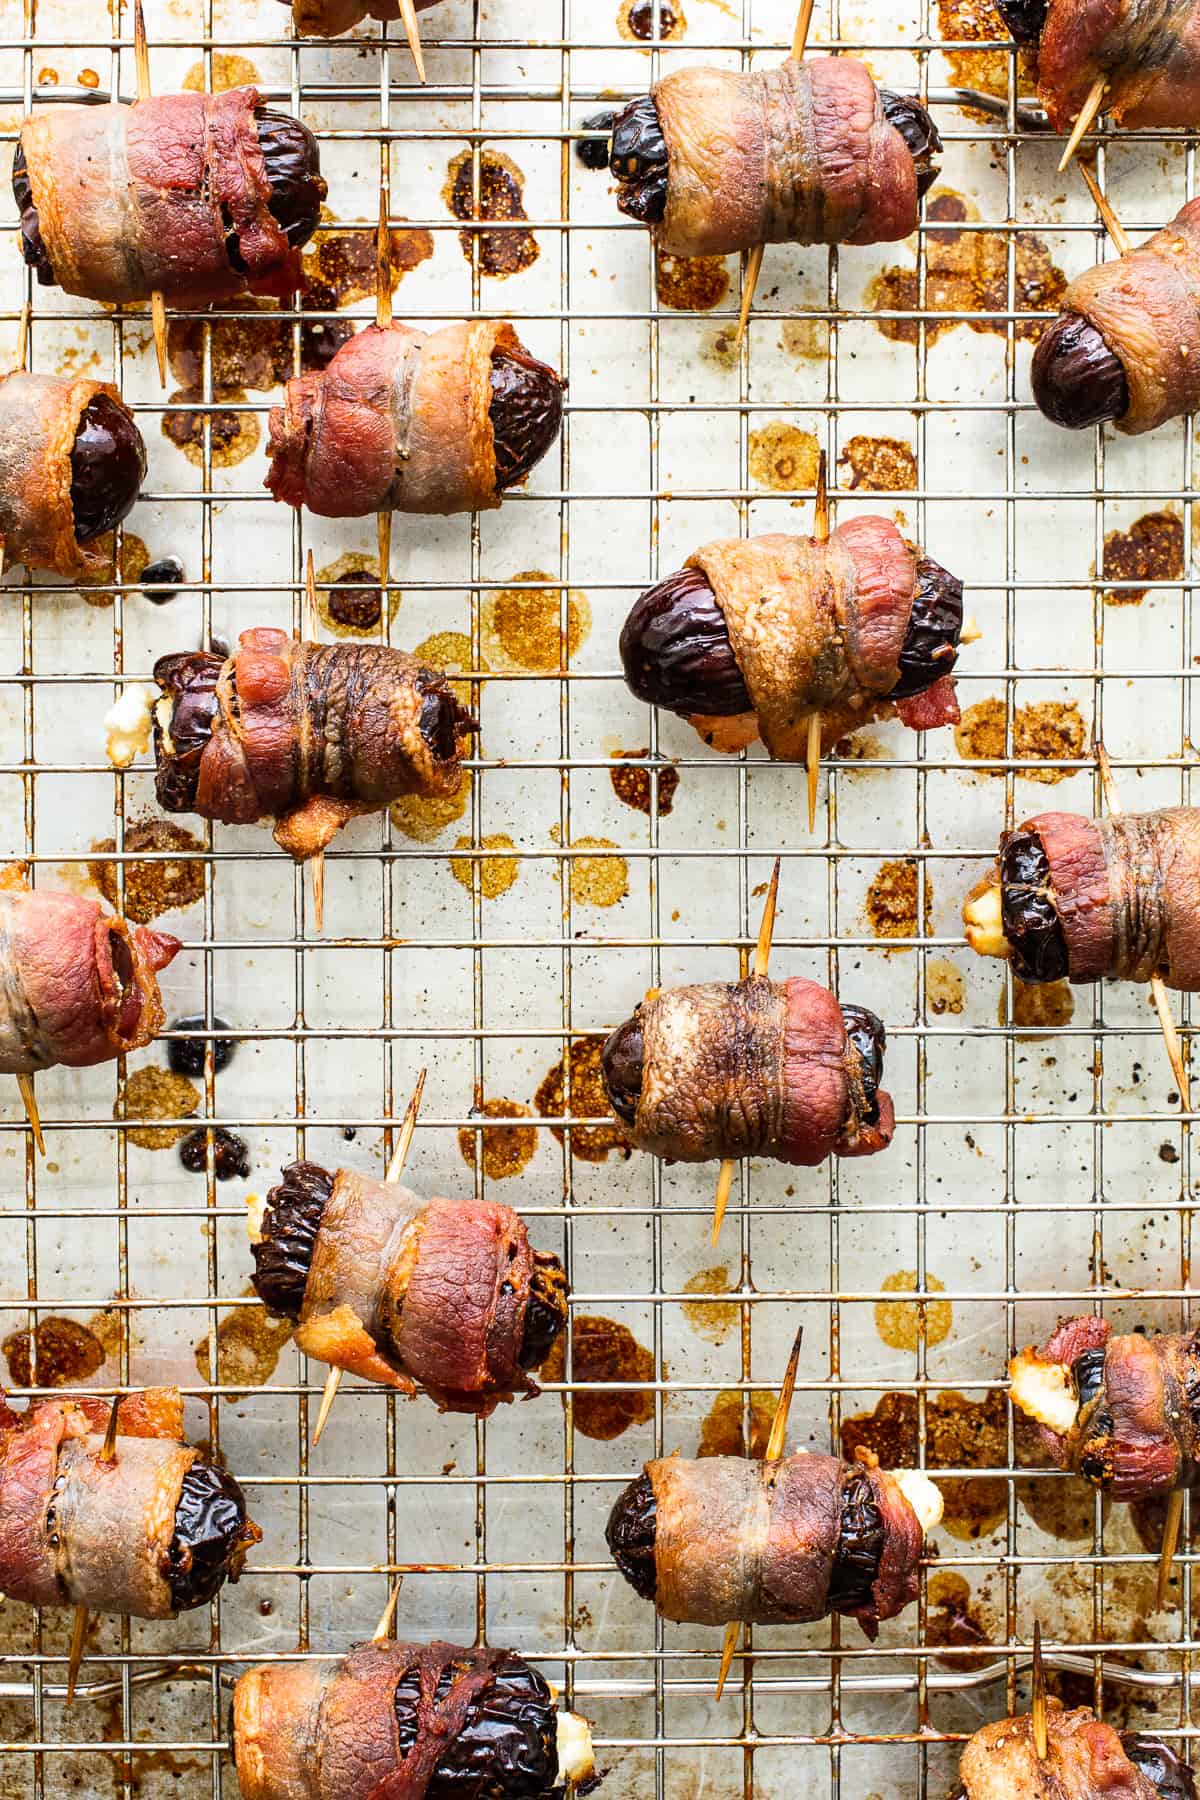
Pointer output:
818, 1711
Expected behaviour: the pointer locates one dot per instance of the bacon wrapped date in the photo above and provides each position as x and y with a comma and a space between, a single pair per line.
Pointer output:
72, 463
330, 18
415, 422
1124, 347
1095, 899
199, 196
150, 1533
406, 1722
812, 152
756, 634
778, 1543
1120, 1411
379, 1281
1146, 51
1085, 1760
77, 984
308, 734
753, 1068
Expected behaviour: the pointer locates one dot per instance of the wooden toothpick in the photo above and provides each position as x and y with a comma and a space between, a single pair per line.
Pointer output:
22, 338
408, 15
754, 261
383, 318
158, 309
1112, 224
1041, 1742
1166, 1557
1158, 987
775, 1444
389, 1613
1085, 121
25, 1083
332, 1383
803, 26
108, 1449
762, 956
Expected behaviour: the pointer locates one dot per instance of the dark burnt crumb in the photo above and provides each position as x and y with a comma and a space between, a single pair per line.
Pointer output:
349, 1134
356, 600
160, 580
186, 1054
231, 1155
640, 18
1168, 1153
593, 151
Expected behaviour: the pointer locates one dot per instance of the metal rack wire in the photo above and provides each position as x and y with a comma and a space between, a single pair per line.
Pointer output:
1029, 1174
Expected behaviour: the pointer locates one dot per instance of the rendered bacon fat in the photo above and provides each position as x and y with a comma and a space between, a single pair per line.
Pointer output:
77, 984
309, 734
757, 634
1146, 51
149, 1533
174, 194
405, 1722
717, 160
330, 18
1096, 899
72, 463
1085, 1760
1142, 312
1116, 1410
448, 1293
415, 422
777, 1543
756, 1068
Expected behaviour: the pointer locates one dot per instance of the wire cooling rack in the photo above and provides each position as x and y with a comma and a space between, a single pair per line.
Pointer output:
1040, 1162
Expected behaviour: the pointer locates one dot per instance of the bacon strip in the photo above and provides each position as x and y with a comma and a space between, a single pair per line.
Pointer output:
1085, 1761
39, 418
399, 421
152, 196
61, 998
798, 154
1148, 52
759, 1068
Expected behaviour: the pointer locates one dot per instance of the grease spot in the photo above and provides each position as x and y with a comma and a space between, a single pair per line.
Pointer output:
153, 1093
354, 606
340, 266
783, 457
960, 1434
637, 21
521, 626
978, 21
1045, 730
151, 888
957, 1619
1060, 1505
1151, 550
591, 1143
968, 272
249, 1343
633, 786
506, 1148
234, 435
898, 1322
805, 339
691, 283
711, 1319
598, 880
892, 900
945, 990
228, 71
134, 559
66, 1351
603, 1350
882, 464
251, 346
424, 817
721, 1433
1036, 1006
494, 874
501, 196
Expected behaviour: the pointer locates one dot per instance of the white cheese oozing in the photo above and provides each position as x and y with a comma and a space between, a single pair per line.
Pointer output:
923, 1495
983, 919
127, 725
164, 712
256, 1207
576, 1758
1043, 1390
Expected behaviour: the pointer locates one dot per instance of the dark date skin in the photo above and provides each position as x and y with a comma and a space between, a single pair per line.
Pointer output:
1029, 912
526, 413
210, 1533
108, 467
1077, 380
864, 1030
1024, 19
507, 1746
675, 647
1087, 1376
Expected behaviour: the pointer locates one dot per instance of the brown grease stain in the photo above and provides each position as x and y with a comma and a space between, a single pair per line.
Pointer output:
1038, 1005
882, 464
501, 196
153, 1093
233, 435
249, 1343
591, 1143
721, 1433
341, 266
892, 900
506, 1148
494, 874
1151, 550
357, 610
88, 78
134, 558
690, 283
597, 880
1045, 730
711, 1319
632, 786
424, 817
979, 21
945, 990
66, 1351
603, 1350
1060, 1505
960, 1434
151, 888
783, 457
956, 1619
228, 71
968, 272
520, 626
805, 339
636, 22
898, 1322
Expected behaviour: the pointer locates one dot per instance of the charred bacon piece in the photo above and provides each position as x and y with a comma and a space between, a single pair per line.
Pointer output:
153, 1532
1085, 1760
717, 160
218, 195
1147, 55
308, 734
756, 1068
787, 1542
432, 1720
448, 1293
763, 632
72, 463
1095, 900
416, 422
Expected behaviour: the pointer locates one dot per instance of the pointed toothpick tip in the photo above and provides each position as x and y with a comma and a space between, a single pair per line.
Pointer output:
108, 1449
727, 1650
408, 1125
383, 251
1085, 121
766, 929
812, 758
22, 337
821, 500
389, 1612
25, 1083
75, 1655
803, 27
158, 325
141, 51
383, 533
724, 1183
332, 1382
310, 618
1112, 224
1038, 1708
318, 888
783, 1405
408, 14
754, 261
1166, 1560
